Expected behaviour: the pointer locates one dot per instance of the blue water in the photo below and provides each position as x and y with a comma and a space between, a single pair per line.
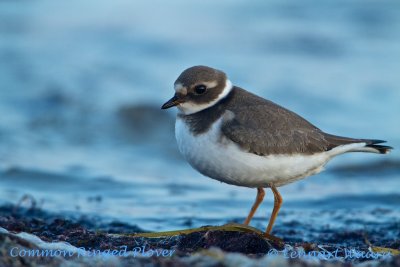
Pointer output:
81, 84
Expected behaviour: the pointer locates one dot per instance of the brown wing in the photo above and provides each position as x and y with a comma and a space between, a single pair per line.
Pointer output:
270, 129
263, 127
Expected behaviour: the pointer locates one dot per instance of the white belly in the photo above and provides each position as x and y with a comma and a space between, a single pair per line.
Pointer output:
223, 160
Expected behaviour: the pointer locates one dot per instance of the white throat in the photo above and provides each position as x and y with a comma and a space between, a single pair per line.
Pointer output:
188, 108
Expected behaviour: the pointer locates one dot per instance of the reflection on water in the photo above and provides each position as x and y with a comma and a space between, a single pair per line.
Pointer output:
81, 127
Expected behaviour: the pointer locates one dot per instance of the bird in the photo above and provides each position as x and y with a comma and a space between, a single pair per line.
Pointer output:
236, 137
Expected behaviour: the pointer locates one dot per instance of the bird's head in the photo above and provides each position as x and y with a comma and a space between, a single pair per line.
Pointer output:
198, 88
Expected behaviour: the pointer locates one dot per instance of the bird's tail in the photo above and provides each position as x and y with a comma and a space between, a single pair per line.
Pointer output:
357, 145
372, 147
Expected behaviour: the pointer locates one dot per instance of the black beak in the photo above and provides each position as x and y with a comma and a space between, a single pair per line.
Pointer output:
171, 103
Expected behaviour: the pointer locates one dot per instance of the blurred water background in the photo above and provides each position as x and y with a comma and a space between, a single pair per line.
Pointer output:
82, 82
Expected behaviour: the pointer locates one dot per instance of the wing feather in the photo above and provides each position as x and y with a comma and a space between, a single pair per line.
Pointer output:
267, 128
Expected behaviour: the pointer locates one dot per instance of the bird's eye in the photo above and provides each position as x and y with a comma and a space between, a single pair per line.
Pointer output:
200, 89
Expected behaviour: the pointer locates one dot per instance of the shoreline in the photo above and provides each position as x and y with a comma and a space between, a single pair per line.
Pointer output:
91, 243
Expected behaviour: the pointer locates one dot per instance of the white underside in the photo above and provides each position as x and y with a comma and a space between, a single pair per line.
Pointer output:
223, 160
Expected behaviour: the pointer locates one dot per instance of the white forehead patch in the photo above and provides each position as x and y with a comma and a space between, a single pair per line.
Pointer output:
179, 88
188, 108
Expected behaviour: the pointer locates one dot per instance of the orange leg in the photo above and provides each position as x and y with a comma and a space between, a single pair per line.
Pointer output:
259, 199
277, 205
